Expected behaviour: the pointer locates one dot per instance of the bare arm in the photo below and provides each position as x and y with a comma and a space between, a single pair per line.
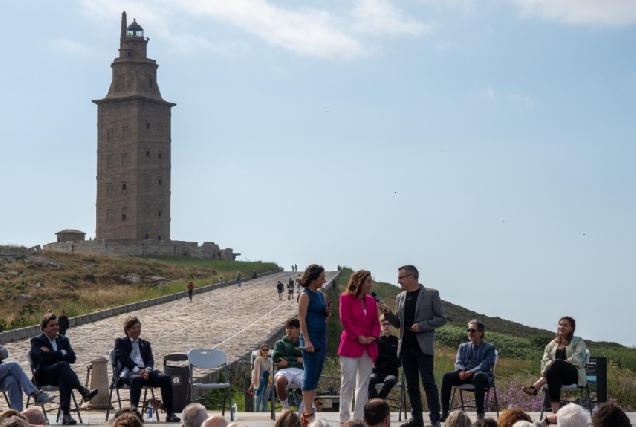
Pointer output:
303, 304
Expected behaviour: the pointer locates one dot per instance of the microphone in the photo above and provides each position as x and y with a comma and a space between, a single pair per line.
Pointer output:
303, 348
376, 298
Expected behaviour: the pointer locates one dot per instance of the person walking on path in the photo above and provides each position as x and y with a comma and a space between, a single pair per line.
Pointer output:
279, 288
419, 311
290, 289
238, 279
190, 290
358, 342
313, 314
63, 323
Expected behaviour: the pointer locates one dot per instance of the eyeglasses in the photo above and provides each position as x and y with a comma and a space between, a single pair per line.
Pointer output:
386, 324
402, 277
471, 330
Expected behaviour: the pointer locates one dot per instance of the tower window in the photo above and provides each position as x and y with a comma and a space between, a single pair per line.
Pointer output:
108, 136
160, 154
147, 153
147, 125
123, 186
159, 214
150, 81
123, 217
159, 238
147, 236
124, 211
129, 53
159, 181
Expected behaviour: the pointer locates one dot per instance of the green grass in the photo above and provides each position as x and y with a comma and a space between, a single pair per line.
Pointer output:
245, 267
88, 283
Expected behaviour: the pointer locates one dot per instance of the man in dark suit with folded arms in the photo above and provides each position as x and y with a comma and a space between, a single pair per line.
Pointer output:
134, 367
419, 311
52, 356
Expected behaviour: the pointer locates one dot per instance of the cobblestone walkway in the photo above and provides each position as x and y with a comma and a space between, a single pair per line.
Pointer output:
232, 319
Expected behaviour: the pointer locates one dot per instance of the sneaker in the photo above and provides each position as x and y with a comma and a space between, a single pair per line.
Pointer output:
444, 416
43, 398
436, 424
413, 423
480, 415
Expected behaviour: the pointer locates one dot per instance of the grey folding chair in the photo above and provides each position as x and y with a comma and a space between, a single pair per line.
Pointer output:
402, 402
571, 387
49, 388
471, 389
209, 358
115, 386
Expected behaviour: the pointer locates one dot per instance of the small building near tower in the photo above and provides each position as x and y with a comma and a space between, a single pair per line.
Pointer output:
69, 235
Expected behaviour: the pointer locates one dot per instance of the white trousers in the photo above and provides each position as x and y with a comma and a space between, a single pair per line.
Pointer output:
354, 370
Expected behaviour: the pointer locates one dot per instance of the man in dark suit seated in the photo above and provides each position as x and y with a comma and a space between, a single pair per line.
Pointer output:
134, 367
472, 365
52, 355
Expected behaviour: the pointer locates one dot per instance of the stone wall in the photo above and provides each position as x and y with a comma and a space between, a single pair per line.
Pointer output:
208, 250
15, 252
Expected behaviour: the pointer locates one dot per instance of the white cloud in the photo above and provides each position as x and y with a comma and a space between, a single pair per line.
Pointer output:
491, 93
65, 45
307, 31
379, 17
525, 101
614, 13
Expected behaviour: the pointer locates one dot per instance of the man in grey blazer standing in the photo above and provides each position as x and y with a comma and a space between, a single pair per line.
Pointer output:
419, 311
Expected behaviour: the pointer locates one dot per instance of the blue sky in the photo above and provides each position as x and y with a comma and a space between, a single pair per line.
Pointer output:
489, 143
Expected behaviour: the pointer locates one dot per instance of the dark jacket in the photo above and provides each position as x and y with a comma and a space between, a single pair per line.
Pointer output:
387, 362
43, 358
123, 348
63, 323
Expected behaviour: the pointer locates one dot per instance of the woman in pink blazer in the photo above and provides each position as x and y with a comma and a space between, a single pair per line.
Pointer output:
358, 343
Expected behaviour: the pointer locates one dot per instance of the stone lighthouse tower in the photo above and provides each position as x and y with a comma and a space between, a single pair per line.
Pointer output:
133, 147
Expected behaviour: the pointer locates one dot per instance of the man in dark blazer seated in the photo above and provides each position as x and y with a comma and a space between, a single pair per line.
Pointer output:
134, 367
52, 355
419, 311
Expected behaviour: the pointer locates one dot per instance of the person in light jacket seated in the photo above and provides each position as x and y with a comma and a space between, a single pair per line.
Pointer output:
473, 362
563, 363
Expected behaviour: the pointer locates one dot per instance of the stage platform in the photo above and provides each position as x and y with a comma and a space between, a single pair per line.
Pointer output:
262, 419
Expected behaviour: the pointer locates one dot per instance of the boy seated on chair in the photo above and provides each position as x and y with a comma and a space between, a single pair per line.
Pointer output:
134, 367
386, 364
472, 365
288, 360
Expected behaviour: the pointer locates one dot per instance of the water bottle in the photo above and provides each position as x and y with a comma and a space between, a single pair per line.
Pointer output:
149, 412
234, 410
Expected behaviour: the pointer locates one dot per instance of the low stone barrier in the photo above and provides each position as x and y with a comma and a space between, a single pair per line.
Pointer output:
31, 331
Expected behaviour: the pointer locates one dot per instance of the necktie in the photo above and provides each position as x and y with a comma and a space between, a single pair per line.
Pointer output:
135, 351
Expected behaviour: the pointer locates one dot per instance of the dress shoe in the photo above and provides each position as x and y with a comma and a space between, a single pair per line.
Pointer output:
413, 423
68, 420
481, 415
89, 394
436, 424
172, 418
444, 416
43, 398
